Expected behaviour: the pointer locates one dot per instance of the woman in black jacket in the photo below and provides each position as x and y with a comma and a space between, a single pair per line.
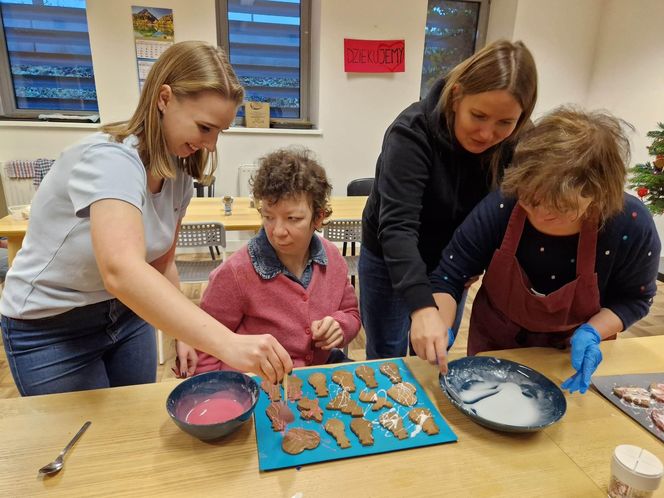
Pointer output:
439, 158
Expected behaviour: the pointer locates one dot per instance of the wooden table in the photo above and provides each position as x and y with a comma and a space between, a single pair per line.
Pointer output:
200, 209
133, 448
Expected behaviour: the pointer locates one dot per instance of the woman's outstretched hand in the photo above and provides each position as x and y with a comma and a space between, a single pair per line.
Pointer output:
259, 354
429, 337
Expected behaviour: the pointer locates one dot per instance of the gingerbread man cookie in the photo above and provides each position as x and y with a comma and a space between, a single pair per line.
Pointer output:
363, 430
273, 412
297, 440
393, 423
403, 393
319, 382
272, 390
294, 388
337, 430
423, 418
378, 401
344, 403
345, 379
309, 409
391, 370
367, 375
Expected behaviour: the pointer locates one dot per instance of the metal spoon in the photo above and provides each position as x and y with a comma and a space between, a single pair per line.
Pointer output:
57, 464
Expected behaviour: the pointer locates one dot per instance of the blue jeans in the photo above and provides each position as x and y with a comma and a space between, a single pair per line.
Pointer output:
91, 347
385, 316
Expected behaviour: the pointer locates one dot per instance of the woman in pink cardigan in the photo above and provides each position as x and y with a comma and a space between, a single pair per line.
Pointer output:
287, 281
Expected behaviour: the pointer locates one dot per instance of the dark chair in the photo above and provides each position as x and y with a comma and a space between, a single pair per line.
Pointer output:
200, 235
200, 188
359, 186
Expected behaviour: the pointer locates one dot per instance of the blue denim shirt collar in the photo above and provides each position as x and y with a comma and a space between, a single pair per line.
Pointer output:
266, 263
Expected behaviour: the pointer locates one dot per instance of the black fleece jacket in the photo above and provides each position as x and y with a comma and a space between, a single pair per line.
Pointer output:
425, 185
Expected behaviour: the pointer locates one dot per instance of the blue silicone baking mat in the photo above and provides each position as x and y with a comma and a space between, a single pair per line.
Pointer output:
271, 456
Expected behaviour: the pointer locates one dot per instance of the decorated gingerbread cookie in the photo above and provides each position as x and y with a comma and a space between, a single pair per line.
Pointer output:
272, 390
367, 375
403, 393
363, 430
337, 430
345, 379
423, 418
294, 388
391, 370
297, 440
273, 413
319, 382
309, 409
378, 401
344, 403
393, 423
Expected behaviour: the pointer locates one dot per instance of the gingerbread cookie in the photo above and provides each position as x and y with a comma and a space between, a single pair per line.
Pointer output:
423, 418
294, 388
367, 375
403, 393
319, 382
391, 370
363, 430
337, 430
635, 395
297, 440
272, 390
273, 412
309, 409
657, 391
393, 423
344, 403
345, 379
378, 401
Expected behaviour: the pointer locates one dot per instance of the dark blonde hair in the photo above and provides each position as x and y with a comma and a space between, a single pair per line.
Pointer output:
501, 65
571, 153
189, 68
288, 173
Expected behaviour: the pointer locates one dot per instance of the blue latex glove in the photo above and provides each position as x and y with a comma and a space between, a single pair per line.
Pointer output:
450, 338
586, 356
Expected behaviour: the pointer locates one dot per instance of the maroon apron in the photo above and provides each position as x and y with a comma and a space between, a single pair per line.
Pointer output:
508, 314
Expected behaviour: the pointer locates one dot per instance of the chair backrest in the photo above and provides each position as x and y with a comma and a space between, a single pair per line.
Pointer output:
360, 186
202, 235
345, 230
200, 188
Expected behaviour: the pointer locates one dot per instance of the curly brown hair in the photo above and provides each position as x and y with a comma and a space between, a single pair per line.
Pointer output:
288, 173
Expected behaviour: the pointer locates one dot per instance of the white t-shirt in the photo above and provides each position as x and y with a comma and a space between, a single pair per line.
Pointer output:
55, 270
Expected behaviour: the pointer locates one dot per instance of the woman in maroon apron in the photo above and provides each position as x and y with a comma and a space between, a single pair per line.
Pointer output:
568, 255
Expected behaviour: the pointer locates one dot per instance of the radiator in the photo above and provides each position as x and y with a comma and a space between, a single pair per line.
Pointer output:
17, 190
244, 174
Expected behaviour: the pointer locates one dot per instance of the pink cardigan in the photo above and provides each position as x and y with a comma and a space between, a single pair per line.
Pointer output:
240, 299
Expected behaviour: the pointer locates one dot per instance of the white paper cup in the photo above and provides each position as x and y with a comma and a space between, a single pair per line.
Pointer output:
635, 472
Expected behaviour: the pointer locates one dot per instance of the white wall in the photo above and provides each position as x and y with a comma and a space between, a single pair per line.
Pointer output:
628, 76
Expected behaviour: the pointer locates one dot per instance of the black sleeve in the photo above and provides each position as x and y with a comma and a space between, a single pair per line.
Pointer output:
406, 160
470, 251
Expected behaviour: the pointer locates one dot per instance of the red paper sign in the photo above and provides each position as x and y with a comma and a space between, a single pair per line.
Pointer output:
374, 56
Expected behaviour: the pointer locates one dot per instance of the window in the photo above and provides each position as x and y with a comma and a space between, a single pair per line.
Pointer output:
268, 46
454, 31
45, 61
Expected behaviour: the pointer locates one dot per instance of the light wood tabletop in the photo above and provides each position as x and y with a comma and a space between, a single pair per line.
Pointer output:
200, 209
133, 448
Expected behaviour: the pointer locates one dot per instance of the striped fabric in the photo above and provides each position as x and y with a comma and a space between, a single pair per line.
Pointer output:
20, 169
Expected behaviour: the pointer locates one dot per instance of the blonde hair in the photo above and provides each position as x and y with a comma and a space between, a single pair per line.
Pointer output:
571, 153
501, 65
188, 67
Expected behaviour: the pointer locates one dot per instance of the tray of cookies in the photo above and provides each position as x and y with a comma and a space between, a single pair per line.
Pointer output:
350, 410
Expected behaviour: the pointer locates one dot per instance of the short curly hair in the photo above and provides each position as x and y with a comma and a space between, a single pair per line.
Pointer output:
289, 172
